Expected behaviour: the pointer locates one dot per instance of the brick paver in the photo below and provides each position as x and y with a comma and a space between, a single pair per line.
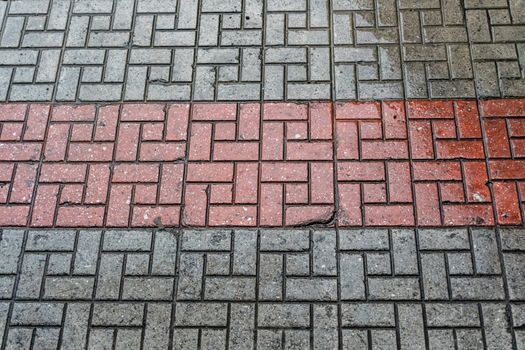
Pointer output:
262, 174
232, 50
264, 289
391, 163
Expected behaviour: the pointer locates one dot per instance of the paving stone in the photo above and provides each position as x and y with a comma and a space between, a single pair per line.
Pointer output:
40, 92
367, 315
284, 315
121, 314
201, 314
440, 38
226, 309
320, 289
37, 314
147, 288
296, 287
452, 315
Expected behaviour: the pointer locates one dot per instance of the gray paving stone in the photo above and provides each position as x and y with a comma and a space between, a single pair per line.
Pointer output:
271, 277
100, 92
497, 332
35, 39
18, 57
201, 314
68, 288
68, 84
34, 92
24, 75
156, 6
156, 334
160, 92
7, 284
483, 288
31, 276
235, 288
49, 63
109, 276
315, 288
460, 315
44, 314
75, 330
273, 88
118, 314
137, 264
238, 92
53, 240
174, 39
367, 315
10, 250
257, 288
396, 288
78, 31
284, 240
143, 30
5, 79
324, 253
147, 288
283, 315
403, 246
444, 239
59, 264
331, 39
217, 264
308, 91
127, 240
87, 252
352, 277
515, 279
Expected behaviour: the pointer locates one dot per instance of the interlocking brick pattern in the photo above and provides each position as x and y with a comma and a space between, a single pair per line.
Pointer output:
264, 289
435, 159
210, 50
392, 163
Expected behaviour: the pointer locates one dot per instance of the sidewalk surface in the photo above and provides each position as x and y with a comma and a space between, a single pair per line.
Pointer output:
262, 174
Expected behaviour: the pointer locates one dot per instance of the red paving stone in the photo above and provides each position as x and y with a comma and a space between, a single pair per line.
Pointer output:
395, 163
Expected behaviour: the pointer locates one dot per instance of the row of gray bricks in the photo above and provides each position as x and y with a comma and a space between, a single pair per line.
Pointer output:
268, 326
269, 289
117, 58
120, 22
211, 35
284, 265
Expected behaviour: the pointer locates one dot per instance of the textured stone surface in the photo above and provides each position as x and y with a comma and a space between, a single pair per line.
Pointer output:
390, 163
126, 50
303, 288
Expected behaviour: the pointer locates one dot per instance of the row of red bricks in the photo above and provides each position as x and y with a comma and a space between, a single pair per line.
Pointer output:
450, 125
428, 163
